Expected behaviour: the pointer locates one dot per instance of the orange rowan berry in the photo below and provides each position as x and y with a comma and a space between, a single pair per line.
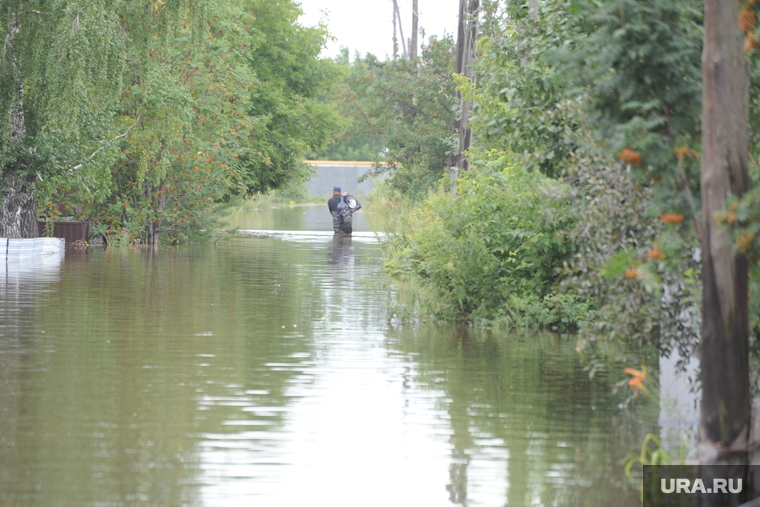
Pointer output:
747, 20
682, 152
745, 241
750, 42
656, 254
671, 218
629, 156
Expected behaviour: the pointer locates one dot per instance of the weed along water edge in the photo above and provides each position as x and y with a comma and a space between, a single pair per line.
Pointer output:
264, 370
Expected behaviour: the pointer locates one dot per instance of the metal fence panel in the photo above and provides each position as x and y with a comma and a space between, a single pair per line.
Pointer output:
17, 248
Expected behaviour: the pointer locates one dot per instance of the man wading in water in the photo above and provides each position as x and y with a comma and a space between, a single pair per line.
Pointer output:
342, 206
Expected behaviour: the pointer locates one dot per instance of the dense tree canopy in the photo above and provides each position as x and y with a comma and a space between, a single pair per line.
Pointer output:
60, 73
400, 112
147, 115
605, 98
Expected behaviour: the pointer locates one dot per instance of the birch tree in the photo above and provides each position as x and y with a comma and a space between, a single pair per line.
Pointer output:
59, 71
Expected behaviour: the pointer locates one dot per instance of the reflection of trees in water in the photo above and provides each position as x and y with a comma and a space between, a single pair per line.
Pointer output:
20, 279
527, 401
146, 354
461, 439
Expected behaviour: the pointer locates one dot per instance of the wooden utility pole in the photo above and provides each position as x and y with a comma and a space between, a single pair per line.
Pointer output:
415, 29
397, 17
467, 33
725, 417
395, 39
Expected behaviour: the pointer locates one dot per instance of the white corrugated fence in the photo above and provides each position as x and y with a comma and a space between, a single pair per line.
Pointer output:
18, 248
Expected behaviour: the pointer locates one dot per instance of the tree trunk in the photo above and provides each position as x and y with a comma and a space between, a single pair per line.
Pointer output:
533, 10
18, 205
725, 417
466, 35
415, 29
18, 213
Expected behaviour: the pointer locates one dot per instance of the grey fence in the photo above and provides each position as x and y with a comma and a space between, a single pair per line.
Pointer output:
342, 174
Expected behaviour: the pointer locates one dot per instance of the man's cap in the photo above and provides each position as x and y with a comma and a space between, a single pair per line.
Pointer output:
336, 189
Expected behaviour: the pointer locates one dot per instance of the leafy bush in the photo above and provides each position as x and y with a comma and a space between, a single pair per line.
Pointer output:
495, 243
605, 96
555, 312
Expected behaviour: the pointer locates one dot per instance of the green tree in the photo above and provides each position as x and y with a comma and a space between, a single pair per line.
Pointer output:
352, 143
289, 95
184, 107
59, 74
406, 106
218, 101
605, 96
490, 251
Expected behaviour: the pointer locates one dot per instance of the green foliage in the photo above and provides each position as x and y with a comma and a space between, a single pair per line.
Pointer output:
402, 110
63, 63
641, 69
613, 232
554, 312
566, 93
519, 90
217, 100
497, 239
654, 453
350, 146
287, 95
745, 229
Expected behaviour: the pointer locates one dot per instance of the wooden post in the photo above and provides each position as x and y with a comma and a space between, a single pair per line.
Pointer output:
400, 28
533, 10
395, 39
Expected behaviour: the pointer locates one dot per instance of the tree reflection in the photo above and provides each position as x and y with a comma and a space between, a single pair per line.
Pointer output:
20, 282
137, 360
525, 401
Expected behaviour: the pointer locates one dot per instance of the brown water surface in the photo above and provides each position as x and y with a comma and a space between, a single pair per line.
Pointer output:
264, 371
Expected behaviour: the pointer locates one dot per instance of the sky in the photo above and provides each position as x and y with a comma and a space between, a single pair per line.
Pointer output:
366, 26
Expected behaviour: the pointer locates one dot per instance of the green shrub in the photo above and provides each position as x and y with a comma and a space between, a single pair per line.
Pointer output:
495, 243
555, 312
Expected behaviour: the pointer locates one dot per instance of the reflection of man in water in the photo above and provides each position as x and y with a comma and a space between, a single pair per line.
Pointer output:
340, 250
341, 211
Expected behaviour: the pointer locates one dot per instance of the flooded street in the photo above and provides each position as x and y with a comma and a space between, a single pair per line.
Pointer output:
267, 370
